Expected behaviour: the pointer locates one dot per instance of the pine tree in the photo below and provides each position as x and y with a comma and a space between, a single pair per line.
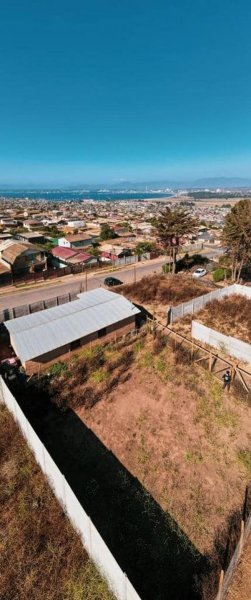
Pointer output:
236, 236
172, 225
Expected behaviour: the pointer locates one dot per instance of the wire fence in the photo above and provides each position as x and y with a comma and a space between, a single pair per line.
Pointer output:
91, 539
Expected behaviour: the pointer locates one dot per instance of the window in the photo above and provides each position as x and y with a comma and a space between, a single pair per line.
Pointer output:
102, 332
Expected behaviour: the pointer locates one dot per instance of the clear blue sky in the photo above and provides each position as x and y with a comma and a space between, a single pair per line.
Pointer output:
102, 90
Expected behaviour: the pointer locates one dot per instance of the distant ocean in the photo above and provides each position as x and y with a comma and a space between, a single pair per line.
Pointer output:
76, 195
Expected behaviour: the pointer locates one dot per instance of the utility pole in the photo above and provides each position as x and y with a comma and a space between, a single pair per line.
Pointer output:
86, 281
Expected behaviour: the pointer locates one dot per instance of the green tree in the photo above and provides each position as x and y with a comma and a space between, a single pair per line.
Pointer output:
143, 247
172, 226
236, 236
107, 233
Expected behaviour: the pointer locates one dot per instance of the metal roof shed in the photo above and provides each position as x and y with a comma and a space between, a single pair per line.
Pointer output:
39, 333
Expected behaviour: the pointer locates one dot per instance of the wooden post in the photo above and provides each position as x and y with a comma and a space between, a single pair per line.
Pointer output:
210, 362
241, 539
192, 351
220, 585
233, 372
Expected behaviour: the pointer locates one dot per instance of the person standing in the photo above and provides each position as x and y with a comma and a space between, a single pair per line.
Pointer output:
226, 380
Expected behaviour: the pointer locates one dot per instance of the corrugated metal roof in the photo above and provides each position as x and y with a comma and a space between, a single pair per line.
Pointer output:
61, 252
46, 330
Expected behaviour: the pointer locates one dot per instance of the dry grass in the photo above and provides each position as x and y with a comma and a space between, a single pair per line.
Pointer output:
164, 289
170, 424
92, 375
201, 422
230, 316
41, 557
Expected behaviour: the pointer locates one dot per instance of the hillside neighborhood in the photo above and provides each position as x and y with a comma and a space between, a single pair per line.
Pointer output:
132, 390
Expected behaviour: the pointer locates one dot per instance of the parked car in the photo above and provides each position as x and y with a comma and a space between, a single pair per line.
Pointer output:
111, 281
200, 272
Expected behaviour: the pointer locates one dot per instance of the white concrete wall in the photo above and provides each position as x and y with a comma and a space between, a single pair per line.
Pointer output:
228, 344
91, 539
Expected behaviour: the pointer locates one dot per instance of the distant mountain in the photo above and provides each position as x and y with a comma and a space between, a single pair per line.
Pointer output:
222, 182
144, 186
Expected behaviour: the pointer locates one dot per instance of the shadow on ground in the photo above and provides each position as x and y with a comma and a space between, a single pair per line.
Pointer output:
152, 550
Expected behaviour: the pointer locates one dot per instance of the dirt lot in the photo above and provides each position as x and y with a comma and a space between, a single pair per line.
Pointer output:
231, 316
158, 292
158, 454
181, 436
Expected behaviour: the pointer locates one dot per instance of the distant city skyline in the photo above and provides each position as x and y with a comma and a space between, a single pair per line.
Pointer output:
124, 91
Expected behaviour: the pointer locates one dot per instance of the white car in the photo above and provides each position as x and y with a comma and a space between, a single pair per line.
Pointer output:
200, 272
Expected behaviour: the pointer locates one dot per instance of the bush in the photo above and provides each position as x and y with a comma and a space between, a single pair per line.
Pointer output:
167, 268
220, 274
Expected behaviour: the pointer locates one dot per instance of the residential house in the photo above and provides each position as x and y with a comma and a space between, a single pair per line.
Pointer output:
22, 257
63, 257
78, 240
44, 337
31, 237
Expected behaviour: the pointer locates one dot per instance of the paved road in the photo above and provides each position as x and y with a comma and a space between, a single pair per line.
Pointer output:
61, 286
71, 283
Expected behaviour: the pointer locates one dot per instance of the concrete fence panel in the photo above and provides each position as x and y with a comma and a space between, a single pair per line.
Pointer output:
21, 311
91, 539
196, 304
226, 343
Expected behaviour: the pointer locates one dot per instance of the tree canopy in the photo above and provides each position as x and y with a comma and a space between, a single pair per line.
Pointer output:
107, 233
236, 236
172, 226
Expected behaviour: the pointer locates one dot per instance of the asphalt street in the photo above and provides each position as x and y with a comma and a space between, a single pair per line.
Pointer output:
71, 283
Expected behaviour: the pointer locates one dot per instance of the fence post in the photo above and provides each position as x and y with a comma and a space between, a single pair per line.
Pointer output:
218, 597
241, 539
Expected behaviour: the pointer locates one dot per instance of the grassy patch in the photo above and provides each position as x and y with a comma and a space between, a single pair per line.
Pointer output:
194, 456
99, 376
244, 457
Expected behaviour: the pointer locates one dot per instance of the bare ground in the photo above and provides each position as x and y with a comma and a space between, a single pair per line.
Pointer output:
186, 441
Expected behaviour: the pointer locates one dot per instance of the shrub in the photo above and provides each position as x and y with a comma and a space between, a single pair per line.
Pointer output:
58, 369
220, 274
167, 268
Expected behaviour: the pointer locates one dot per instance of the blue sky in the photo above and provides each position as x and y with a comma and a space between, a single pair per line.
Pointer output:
106, 90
